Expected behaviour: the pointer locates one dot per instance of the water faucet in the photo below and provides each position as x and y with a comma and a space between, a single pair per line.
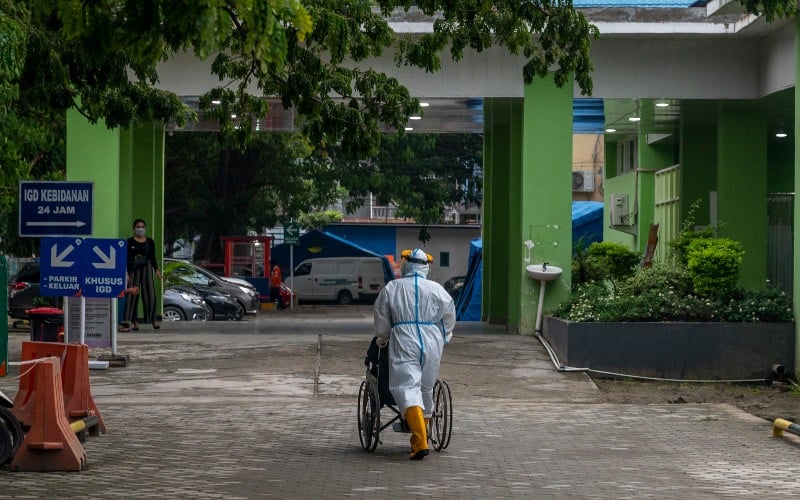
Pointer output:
544, 266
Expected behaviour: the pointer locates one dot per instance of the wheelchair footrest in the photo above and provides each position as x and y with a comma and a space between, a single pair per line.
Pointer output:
401, 426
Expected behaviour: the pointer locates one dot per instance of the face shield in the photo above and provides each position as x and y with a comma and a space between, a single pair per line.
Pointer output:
415, 262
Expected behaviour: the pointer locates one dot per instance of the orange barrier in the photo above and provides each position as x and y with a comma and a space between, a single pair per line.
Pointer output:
50, 444
77, 395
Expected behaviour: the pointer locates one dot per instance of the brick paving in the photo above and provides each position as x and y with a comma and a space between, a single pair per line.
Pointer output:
266, 408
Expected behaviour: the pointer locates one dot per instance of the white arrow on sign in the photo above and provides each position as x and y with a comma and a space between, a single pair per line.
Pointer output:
77, 223
57, 259
109, 261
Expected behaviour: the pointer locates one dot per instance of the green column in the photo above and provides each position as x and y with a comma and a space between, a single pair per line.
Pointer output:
546, 196
742, 185
500, 205
127, 169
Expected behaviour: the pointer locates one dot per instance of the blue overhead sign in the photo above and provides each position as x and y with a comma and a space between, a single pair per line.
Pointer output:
55, 208
92, 267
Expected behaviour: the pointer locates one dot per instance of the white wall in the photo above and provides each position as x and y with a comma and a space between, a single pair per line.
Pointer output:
455, 240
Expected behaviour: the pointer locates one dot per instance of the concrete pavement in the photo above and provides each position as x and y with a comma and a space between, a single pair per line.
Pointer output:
266, 408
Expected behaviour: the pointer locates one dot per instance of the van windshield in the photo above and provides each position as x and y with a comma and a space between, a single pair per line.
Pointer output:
303, 269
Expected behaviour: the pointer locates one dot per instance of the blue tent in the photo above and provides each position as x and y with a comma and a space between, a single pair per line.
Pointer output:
587, 222
468, 305
316, 244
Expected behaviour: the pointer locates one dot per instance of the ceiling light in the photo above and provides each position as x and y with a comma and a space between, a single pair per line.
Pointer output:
233, 115
781, 134
634, 118
409, 128
611, 130
415, 117
662, 104
424, 104
216, 102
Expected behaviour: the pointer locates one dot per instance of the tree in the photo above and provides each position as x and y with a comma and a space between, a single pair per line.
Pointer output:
423, 174
217, 190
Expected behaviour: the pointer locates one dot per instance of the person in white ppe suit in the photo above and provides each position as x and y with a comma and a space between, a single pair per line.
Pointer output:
415, 317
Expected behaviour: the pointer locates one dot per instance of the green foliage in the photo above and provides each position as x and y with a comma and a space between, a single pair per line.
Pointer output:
665, 293
423, 174
714, 266
609, 260
680, 244
318, 220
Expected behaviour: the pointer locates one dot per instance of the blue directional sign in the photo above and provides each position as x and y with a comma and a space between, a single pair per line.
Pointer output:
92, 267
60, 267
54, 208
104, 267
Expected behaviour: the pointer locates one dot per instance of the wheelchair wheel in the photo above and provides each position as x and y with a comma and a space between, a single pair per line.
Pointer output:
440, 425
369, 416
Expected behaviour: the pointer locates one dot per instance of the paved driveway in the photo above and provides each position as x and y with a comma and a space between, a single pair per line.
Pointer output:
266, 408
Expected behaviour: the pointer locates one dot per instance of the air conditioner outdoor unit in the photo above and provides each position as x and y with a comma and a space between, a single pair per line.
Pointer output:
583, 180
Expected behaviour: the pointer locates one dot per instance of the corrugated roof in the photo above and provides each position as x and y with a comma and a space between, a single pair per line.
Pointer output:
664, 4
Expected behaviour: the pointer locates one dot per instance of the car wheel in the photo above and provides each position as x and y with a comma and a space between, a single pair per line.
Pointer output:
172, 314
344, 298
240, 312
210, 313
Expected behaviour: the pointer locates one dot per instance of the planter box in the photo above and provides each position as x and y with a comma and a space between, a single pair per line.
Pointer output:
685, 351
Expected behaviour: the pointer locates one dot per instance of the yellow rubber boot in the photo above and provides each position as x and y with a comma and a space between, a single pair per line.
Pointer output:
419, 434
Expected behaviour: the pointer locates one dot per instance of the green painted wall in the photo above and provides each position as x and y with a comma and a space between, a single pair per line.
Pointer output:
780, 158
502, 170
698, 157
620, 184
742, 182
546, 195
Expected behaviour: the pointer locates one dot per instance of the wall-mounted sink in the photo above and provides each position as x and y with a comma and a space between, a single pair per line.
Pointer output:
543, 273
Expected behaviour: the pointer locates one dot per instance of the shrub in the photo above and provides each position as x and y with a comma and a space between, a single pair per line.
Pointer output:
664, 293
608, 260
714, 266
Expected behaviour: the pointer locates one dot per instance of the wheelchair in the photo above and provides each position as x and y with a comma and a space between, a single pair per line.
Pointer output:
374, 395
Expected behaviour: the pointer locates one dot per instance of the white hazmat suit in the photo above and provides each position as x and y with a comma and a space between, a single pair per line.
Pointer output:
416, 317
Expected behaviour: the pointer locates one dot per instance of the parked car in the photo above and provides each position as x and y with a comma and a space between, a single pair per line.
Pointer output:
221, 306
180, 272
219, 269
183, 305
23, 292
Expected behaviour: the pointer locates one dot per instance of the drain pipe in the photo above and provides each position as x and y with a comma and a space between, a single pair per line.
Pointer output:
776, 369
782, 425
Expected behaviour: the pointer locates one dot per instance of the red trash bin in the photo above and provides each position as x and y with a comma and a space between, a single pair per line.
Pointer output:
47, 324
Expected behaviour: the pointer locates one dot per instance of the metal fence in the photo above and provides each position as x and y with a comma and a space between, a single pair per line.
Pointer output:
667, 210
780, 242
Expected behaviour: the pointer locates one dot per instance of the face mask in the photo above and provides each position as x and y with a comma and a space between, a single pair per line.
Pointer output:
139, 231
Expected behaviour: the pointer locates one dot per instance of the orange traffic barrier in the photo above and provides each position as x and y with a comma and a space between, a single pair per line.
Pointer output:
50, 444
77, 394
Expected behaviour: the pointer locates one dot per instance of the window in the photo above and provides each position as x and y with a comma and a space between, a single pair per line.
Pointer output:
303, 269
444, 259
627, 155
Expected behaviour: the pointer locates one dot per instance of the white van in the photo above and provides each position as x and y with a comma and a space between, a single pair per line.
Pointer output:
343, 279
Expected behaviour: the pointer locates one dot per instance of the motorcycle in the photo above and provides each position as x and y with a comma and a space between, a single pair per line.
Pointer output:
11, 434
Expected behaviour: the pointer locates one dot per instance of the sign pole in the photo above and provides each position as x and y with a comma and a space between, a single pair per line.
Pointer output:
114, 323
291, 275
83, 319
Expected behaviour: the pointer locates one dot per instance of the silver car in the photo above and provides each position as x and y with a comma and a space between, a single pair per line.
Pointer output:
180, 272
